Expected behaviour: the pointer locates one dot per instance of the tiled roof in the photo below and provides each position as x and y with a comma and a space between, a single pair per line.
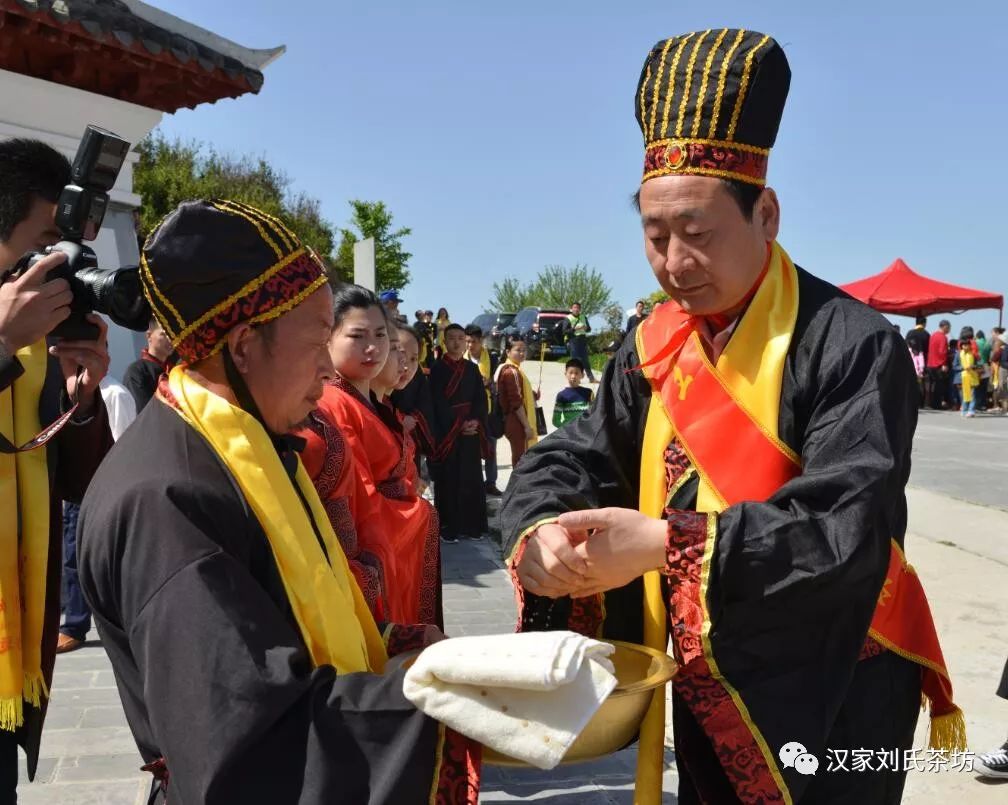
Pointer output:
131, 58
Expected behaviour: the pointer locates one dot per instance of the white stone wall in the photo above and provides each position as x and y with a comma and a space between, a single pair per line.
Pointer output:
57, 114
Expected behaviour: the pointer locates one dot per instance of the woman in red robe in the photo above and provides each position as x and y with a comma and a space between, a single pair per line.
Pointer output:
362, 470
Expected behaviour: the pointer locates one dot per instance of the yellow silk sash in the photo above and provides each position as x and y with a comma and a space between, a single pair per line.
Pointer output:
484, 368
332, 615
24, 542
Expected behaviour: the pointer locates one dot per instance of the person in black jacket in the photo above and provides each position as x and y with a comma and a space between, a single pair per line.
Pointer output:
141, 376
919, 338
638, 316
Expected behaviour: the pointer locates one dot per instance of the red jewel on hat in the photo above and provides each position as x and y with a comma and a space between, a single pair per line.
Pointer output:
675, 156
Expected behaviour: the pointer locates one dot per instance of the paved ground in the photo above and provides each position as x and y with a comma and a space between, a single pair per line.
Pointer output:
88, 753
959, 548
962, 458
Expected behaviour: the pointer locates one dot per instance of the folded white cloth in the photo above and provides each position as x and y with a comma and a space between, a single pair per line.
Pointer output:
525, 695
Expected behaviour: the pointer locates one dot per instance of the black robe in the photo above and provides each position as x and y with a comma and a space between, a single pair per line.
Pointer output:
458, 394
794, 581
208, 658
415, 400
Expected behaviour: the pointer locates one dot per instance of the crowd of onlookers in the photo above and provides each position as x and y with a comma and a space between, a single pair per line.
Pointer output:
402, 447
967, 374
512, 408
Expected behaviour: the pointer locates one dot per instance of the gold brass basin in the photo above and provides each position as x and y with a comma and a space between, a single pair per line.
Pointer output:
639, 672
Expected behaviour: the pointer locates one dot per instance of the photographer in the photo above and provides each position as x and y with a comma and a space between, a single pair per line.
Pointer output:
38, 387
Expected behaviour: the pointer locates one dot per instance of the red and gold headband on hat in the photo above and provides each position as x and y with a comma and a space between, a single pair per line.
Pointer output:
211, 265
709, 104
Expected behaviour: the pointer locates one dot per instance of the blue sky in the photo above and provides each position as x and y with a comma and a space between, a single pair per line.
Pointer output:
506, 139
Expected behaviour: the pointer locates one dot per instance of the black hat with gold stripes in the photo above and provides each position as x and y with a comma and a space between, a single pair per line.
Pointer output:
211, 265
709, 103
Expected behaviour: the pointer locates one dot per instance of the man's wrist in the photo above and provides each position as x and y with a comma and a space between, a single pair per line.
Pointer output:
85, 405
658, 545
85, 410
6, 347
10, 367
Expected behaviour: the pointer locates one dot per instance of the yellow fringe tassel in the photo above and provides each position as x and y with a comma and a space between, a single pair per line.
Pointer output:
12, 708
11, 713
34, 689
948, 732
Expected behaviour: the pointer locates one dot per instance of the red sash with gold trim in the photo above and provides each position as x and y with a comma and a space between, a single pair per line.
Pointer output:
741, 461
708, 419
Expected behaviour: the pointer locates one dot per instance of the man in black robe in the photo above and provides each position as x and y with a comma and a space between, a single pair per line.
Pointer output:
212, 639
743, 496
460, 408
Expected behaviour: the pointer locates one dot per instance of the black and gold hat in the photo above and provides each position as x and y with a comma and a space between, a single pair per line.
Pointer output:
709, 104
211, 265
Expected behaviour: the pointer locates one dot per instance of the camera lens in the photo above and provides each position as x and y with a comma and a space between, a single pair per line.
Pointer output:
117, 293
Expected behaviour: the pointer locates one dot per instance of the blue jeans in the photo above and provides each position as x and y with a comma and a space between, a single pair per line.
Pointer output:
579, 350
76, 612
968, 407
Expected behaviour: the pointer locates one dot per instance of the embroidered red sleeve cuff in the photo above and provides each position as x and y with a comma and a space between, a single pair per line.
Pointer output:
684, 544
457, 779
535, 613
400, 637
684, 550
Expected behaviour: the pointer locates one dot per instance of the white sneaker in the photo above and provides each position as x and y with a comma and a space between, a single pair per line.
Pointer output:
993, 764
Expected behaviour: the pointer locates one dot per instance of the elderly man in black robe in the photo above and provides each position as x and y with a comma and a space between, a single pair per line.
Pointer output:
248, 664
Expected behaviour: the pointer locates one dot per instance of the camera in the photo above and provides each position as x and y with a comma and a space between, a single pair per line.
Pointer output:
80, 210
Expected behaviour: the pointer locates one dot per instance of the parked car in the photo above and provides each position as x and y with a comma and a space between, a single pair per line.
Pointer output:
541, 326
493, 326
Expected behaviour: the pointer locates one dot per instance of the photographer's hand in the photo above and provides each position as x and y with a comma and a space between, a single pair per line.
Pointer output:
31, 306
92, 357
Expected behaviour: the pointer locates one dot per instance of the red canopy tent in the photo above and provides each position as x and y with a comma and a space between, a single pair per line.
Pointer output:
901, 290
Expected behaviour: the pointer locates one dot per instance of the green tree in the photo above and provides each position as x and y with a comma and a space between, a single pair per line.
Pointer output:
656, 299
172, 171
555, 287
372, 219
559, 287
612, 330
510, 296
614, 320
